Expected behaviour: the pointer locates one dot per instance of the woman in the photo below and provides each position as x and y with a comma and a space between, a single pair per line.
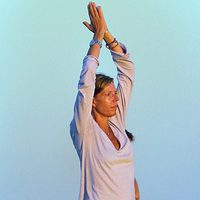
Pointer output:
98, 125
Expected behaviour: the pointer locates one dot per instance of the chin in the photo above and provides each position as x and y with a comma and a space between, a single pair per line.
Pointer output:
112, 114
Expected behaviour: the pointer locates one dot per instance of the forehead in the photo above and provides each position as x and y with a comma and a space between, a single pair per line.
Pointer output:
109, 87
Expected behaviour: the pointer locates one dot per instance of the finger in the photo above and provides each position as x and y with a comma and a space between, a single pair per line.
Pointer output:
93, 9
100, 12
89, 13
86, 24
90, 27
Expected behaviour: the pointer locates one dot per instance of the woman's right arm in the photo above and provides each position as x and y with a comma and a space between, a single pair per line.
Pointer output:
86, 85
83, 103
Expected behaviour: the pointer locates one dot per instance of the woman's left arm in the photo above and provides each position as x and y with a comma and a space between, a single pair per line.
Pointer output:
137, 192
125, 76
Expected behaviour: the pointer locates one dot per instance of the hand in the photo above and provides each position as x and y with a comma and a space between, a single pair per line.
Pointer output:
97, 22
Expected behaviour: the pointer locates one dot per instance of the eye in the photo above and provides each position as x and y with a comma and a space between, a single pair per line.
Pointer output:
108, 94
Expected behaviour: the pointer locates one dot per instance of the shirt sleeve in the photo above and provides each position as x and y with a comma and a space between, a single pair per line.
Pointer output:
84, 98
125, 77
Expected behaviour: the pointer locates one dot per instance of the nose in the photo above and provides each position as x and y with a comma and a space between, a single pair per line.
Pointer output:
116, 97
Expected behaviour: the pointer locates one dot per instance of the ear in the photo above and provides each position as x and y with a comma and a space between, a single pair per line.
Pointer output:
94, 103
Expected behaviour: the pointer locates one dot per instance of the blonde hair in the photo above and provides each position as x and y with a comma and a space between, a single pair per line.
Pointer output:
101, 82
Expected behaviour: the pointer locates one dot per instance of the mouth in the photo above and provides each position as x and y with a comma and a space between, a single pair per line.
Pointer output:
114, 107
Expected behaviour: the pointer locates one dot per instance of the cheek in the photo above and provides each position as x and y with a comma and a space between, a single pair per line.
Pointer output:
107, 101
103, 104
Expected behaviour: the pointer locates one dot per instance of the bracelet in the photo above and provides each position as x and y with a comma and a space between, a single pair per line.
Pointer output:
110, 45
111, 42
117, 43
95, 41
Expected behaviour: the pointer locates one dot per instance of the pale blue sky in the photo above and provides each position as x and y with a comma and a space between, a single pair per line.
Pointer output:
42, 44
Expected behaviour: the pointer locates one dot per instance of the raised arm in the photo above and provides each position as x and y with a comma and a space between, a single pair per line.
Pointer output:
86, 85
125, 76
99, 27
119, 53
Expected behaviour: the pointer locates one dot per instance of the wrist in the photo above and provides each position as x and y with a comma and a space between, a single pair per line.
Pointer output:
98, 36
108, 37
96, 41
112, 44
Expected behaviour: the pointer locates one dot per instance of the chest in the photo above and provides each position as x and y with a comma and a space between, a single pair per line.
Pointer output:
114, 140
112, 149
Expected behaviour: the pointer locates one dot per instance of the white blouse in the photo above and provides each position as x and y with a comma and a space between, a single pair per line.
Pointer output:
106, 173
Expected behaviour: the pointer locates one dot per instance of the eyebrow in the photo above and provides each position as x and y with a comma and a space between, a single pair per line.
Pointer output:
110, 91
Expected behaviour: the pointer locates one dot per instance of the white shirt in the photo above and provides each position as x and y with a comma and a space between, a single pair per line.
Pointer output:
106, 173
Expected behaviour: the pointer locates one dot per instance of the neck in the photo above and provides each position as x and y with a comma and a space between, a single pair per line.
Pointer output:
102, 121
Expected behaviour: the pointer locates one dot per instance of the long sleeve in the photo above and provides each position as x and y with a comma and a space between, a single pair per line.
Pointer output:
106, 173
125, 76
83, 103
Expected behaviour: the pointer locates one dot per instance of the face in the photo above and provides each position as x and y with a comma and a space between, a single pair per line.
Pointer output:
105, 102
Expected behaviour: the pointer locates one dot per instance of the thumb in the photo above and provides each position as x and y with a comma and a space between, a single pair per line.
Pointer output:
88, 26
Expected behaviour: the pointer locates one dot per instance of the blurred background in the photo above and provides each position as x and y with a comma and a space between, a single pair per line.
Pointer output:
42, 44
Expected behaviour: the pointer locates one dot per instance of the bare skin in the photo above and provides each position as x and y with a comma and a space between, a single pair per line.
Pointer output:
104, 106
137, 192
99, 27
